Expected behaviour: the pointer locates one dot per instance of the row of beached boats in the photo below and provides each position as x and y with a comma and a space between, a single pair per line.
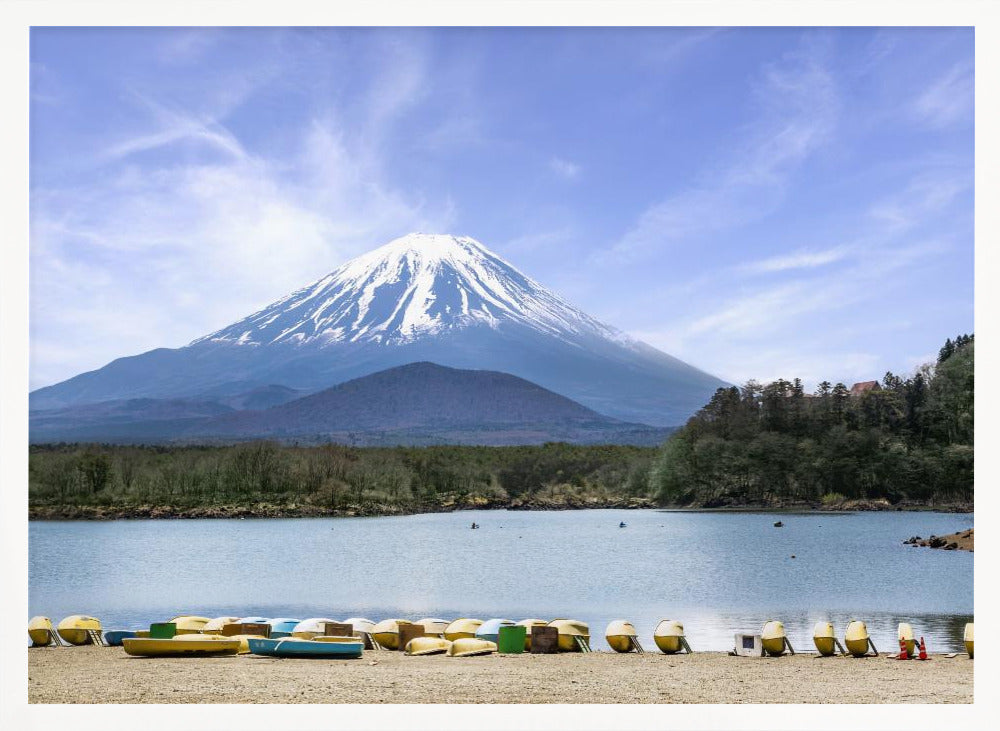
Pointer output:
857, 642
291, 637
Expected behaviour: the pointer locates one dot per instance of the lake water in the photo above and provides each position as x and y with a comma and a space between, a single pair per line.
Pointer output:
718, 573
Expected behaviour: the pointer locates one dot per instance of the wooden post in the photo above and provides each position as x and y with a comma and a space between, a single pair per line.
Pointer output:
408, 631
256, 628
544, 640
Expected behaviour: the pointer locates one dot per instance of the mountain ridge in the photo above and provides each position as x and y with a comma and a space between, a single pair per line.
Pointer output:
421, 297
415, 404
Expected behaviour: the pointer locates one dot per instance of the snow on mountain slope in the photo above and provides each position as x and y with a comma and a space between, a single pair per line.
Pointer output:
416, 285
435, 298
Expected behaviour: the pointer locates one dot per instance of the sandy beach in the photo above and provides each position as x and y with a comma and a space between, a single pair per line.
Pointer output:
108, 675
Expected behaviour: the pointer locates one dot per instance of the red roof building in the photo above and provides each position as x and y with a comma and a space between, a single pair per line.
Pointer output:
864, 387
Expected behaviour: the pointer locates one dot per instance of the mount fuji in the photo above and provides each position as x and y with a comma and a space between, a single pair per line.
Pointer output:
423, 297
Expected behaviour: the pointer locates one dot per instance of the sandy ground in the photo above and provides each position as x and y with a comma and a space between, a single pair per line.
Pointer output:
108, 675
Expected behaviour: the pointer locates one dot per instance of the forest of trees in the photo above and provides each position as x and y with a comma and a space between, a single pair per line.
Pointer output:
907, 440
334, 477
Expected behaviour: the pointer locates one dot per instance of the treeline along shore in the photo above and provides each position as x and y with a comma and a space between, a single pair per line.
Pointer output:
900, 443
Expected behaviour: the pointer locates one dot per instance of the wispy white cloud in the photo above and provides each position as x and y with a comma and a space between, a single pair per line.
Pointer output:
798, 105
158, 254
186, 45
950, 100
176, 127
796, 260
926, 194
564, 168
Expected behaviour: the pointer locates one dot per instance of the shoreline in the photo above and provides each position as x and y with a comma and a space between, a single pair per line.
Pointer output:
256, 510
961, 541
108, 675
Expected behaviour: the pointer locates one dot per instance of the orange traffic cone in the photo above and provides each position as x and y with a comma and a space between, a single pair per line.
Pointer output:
902, 651
923, 650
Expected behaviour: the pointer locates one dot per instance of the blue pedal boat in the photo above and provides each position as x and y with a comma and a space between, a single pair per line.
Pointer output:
297, 647
114, 637
490, 629
282, 626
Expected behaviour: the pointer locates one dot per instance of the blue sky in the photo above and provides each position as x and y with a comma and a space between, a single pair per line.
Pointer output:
757, 202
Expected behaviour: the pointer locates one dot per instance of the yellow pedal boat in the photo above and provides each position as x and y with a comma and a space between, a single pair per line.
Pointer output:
528, 624
825, 639
669, 636
463, 628
242, 639
469, 646
969, 629
386, 633
188, 624
904, 634
433, 627
311, 628
361, 625
856, 638
621, 635
773, 638
569, 631
192, 645
427, 646
215, 625
74, 628
40, 631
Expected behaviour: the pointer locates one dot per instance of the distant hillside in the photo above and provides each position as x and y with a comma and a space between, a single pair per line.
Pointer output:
425, 403
415, 404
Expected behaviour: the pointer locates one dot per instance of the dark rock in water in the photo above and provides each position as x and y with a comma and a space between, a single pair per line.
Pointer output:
779, 524
936, 542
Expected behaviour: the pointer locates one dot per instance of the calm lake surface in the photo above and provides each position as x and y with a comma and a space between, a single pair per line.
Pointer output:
718, 573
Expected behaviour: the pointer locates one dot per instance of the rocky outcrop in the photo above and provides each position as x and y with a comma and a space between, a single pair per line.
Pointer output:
961, 541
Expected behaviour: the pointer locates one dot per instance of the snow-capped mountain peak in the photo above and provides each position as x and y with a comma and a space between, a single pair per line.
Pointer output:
416, 285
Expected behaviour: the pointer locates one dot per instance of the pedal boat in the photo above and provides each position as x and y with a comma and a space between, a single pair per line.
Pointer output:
114, 637
433, 627
490, 629
360, 624
825, 639
773, 637
461, 629
904, 634
569, 631
282, 626
386, 633
427, 646
189, 645
621, 636
41, 631
189, 624
215, 625
74, 628
969, 629
856, 638
668, 635
295, 647
309, 628
528, 624
469, 646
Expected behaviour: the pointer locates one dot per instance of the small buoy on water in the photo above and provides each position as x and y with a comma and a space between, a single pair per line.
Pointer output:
793, 555
778, 524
